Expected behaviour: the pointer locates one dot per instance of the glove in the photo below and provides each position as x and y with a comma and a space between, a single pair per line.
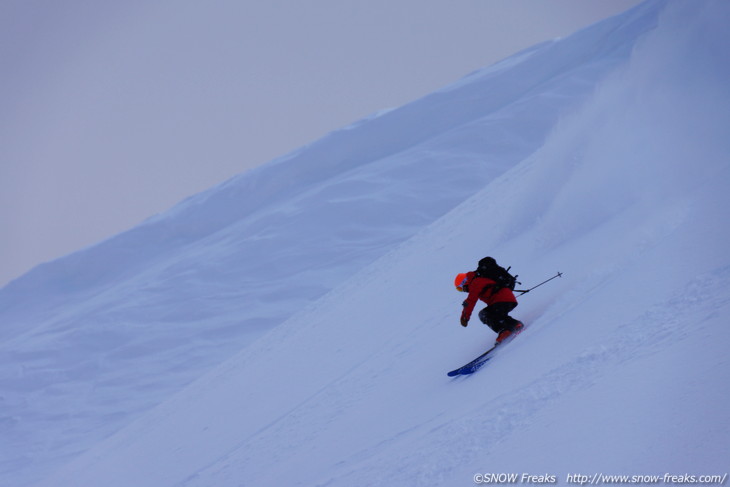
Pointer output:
464, 321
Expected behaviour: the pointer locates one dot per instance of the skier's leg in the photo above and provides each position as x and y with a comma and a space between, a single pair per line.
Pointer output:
496, 316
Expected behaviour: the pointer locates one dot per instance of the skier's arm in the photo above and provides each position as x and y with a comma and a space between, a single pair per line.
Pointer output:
475, 289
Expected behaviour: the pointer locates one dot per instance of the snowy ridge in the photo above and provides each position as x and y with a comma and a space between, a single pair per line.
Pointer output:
351, 388
625, 197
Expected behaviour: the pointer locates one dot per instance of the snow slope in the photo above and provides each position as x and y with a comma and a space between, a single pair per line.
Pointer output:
622, 369
625, 195
91, 341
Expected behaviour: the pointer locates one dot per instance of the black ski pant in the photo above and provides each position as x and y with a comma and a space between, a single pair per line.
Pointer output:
496, 316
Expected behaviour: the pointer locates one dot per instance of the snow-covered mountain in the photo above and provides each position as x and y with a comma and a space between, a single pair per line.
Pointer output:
295, 324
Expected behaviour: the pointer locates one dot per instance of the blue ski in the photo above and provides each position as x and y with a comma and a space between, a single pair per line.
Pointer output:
474, 365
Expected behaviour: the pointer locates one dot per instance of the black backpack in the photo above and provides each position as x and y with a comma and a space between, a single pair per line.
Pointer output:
489, 268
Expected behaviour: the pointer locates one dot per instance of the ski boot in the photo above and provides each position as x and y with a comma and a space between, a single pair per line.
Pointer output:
509, 333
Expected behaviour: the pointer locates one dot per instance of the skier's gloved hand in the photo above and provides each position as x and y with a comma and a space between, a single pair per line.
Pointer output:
464, 322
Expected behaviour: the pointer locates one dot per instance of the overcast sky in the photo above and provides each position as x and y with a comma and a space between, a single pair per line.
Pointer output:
113, 111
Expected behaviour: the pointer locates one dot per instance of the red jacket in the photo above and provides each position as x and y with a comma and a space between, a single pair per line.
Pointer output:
483, 288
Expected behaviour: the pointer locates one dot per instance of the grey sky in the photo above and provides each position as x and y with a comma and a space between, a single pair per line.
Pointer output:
113, 111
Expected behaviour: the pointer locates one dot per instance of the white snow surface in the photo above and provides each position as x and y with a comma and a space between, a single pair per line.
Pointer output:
294, 325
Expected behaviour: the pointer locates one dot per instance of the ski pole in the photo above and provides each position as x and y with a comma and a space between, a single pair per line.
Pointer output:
538, 285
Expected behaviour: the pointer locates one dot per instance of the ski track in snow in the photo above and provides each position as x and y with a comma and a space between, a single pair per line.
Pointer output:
481, 431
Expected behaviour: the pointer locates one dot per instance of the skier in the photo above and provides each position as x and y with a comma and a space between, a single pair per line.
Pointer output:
493, 285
